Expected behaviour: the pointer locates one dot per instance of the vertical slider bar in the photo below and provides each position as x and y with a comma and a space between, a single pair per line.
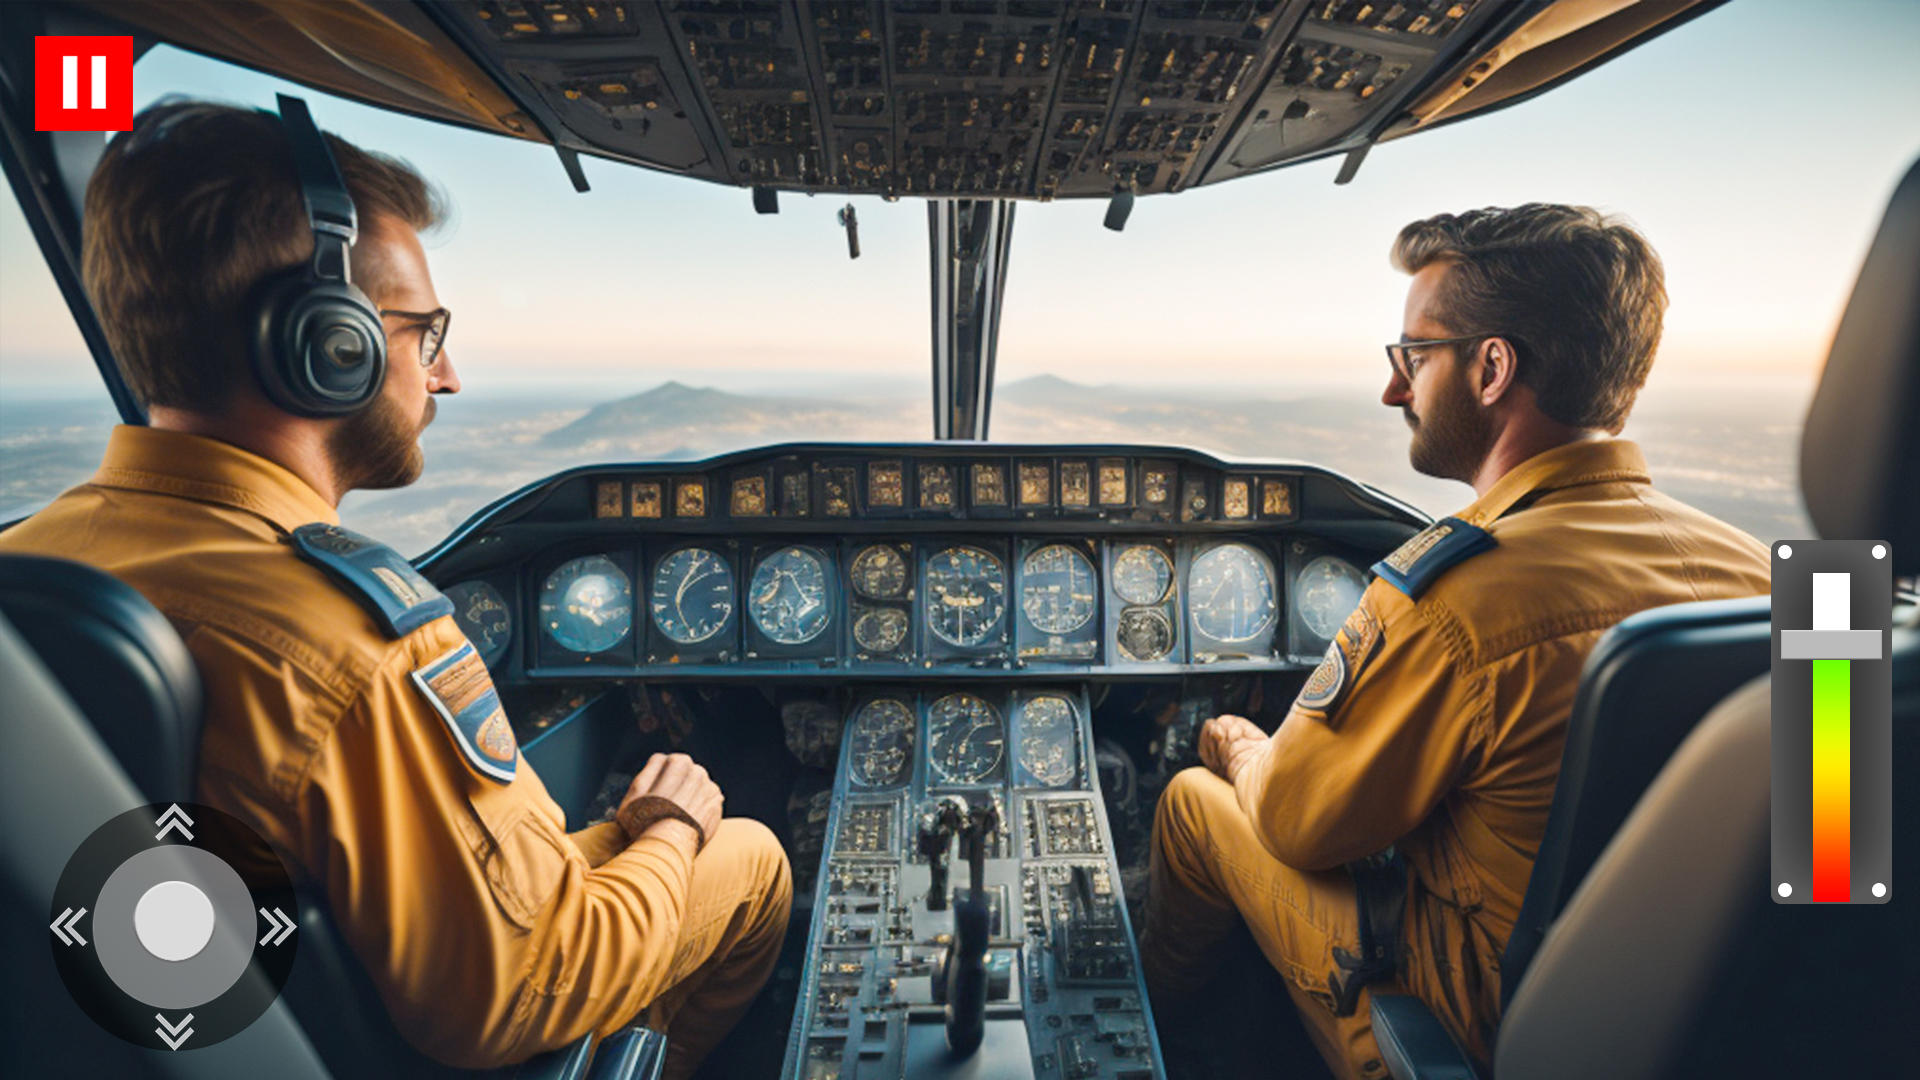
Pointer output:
1832, 802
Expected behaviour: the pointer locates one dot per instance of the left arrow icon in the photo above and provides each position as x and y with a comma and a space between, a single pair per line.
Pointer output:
172, 819
67, 928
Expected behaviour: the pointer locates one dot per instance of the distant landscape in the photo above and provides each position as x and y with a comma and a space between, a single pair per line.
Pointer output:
1732, 454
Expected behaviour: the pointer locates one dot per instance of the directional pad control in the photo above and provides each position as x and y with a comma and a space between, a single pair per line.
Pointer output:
154, 930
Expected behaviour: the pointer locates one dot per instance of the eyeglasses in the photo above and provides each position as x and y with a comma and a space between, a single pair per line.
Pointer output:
433, 326
1405, 360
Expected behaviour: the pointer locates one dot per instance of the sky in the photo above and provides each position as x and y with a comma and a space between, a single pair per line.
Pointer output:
1755, 147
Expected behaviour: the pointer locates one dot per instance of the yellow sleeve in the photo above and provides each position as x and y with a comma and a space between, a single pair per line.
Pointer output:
600, 841
1376, 739
490, 933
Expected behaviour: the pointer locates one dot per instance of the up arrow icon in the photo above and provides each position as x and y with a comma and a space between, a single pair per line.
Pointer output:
173, 1034
171, 819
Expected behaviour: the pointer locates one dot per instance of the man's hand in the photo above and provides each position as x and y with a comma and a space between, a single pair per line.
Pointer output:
683, 782
1228, 742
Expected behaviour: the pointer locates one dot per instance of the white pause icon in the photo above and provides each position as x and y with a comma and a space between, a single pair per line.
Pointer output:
70, 82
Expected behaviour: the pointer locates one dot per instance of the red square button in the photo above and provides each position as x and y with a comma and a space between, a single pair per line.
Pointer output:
82, 83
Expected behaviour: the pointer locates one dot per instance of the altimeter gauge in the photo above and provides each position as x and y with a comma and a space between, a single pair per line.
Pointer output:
482, 615
966, 595
1142, 574
881, 743
692, 595
1144, 634
880, 630
1047, 740
787, 598
1057, 589
966, 739
880, 573
1231, 592
586, 606
1326, 592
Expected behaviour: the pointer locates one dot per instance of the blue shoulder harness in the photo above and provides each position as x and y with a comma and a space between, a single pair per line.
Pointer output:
387, 584
1420, 561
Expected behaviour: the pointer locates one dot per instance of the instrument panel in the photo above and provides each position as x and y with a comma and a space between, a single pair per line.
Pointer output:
830, 561
1001, 604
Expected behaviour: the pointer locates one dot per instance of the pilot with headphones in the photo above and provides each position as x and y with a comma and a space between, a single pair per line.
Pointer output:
348, 719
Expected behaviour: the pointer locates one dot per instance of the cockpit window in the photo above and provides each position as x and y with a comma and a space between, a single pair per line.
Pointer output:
659, 317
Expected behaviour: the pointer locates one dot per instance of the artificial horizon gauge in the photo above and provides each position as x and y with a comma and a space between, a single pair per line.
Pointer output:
1057, 589
482, 615
880, 630
1047, 740
880, 573
1144, 634
1142, 574
787, 598
154, 931
692, 595
966, 739
1326, 592
586, 606
880, 743
1231, 592
966, 595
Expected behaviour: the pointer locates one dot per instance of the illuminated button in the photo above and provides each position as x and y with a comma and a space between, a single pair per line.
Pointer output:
173, 920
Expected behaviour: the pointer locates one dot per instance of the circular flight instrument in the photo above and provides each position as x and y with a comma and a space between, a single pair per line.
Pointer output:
692, 596
1142, 574
1327, 591
788, 596
1144, 634
880, 573
1231, 590
1047, 740
966, 595
481, 613
586, 606
1057, 589
882, 743
880, 630
965, 739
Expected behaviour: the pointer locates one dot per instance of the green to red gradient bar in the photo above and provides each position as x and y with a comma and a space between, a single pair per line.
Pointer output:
1832, 794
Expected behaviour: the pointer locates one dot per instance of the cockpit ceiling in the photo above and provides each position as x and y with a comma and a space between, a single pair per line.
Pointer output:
1029, 99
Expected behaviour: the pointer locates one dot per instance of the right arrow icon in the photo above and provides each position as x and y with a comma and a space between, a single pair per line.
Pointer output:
174, 1034
278, 926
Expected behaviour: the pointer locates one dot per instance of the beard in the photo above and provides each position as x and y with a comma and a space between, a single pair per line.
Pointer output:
379, 447
1453, 436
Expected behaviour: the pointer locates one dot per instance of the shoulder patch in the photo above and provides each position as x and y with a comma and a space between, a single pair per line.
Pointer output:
462, 693
1419, 562
1356, 642
387, 584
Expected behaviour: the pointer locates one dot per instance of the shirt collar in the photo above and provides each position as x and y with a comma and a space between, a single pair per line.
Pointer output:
208, 470
1593, 461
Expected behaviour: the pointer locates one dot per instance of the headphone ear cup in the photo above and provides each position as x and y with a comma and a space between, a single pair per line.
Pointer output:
318, 347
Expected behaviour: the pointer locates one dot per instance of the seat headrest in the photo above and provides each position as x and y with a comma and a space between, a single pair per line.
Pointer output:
1860, 450
120, 661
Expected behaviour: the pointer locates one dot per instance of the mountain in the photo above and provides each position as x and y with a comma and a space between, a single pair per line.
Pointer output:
674, 420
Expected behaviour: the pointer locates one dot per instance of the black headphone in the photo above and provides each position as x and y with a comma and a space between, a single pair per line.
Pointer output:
317, 344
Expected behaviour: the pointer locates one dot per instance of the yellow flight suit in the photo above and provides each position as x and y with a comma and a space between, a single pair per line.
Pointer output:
1435, 724
492, 933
